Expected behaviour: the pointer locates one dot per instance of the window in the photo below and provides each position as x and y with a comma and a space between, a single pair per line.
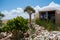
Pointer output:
44, 15
50, 15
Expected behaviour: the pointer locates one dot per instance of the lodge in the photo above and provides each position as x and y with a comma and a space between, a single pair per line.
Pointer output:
49, 14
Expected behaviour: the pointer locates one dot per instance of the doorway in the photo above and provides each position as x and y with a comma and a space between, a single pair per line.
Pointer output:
51, 16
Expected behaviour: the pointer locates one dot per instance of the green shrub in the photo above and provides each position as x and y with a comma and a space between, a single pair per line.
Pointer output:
17, 26
47, 24
1, 16
18, 23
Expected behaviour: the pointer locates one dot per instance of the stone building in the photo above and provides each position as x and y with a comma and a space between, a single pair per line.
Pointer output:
50, 12
53, 15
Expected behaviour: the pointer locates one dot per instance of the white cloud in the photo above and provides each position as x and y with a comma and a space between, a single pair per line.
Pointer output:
51, 6
37, 8
14, 13
20, 12
5, 12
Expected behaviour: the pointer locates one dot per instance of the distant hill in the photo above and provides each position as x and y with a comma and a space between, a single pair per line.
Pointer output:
4, 21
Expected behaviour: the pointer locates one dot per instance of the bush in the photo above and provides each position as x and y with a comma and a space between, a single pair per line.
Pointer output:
17, 26
1, 16
18, 23
47, 24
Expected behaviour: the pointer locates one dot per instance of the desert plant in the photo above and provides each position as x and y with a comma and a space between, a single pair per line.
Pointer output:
47, 24
1, 15
18, 23
29, 10
17, 26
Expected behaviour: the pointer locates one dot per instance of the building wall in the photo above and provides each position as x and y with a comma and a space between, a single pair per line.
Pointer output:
36, 16
57, 16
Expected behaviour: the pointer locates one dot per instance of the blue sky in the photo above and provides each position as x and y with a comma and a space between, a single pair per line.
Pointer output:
13, 4
14, 8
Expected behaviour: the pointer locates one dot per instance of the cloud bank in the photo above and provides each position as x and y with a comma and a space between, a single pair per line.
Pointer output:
14, 13
20, 12
51, 6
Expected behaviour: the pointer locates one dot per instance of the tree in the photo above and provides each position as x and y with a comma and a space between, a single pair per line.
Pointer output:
29, 10
1, 15
17, 26
18, 23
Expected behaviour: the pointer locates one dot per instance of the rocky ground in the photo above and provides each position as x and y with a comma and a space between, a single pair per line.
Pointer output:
40, 34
